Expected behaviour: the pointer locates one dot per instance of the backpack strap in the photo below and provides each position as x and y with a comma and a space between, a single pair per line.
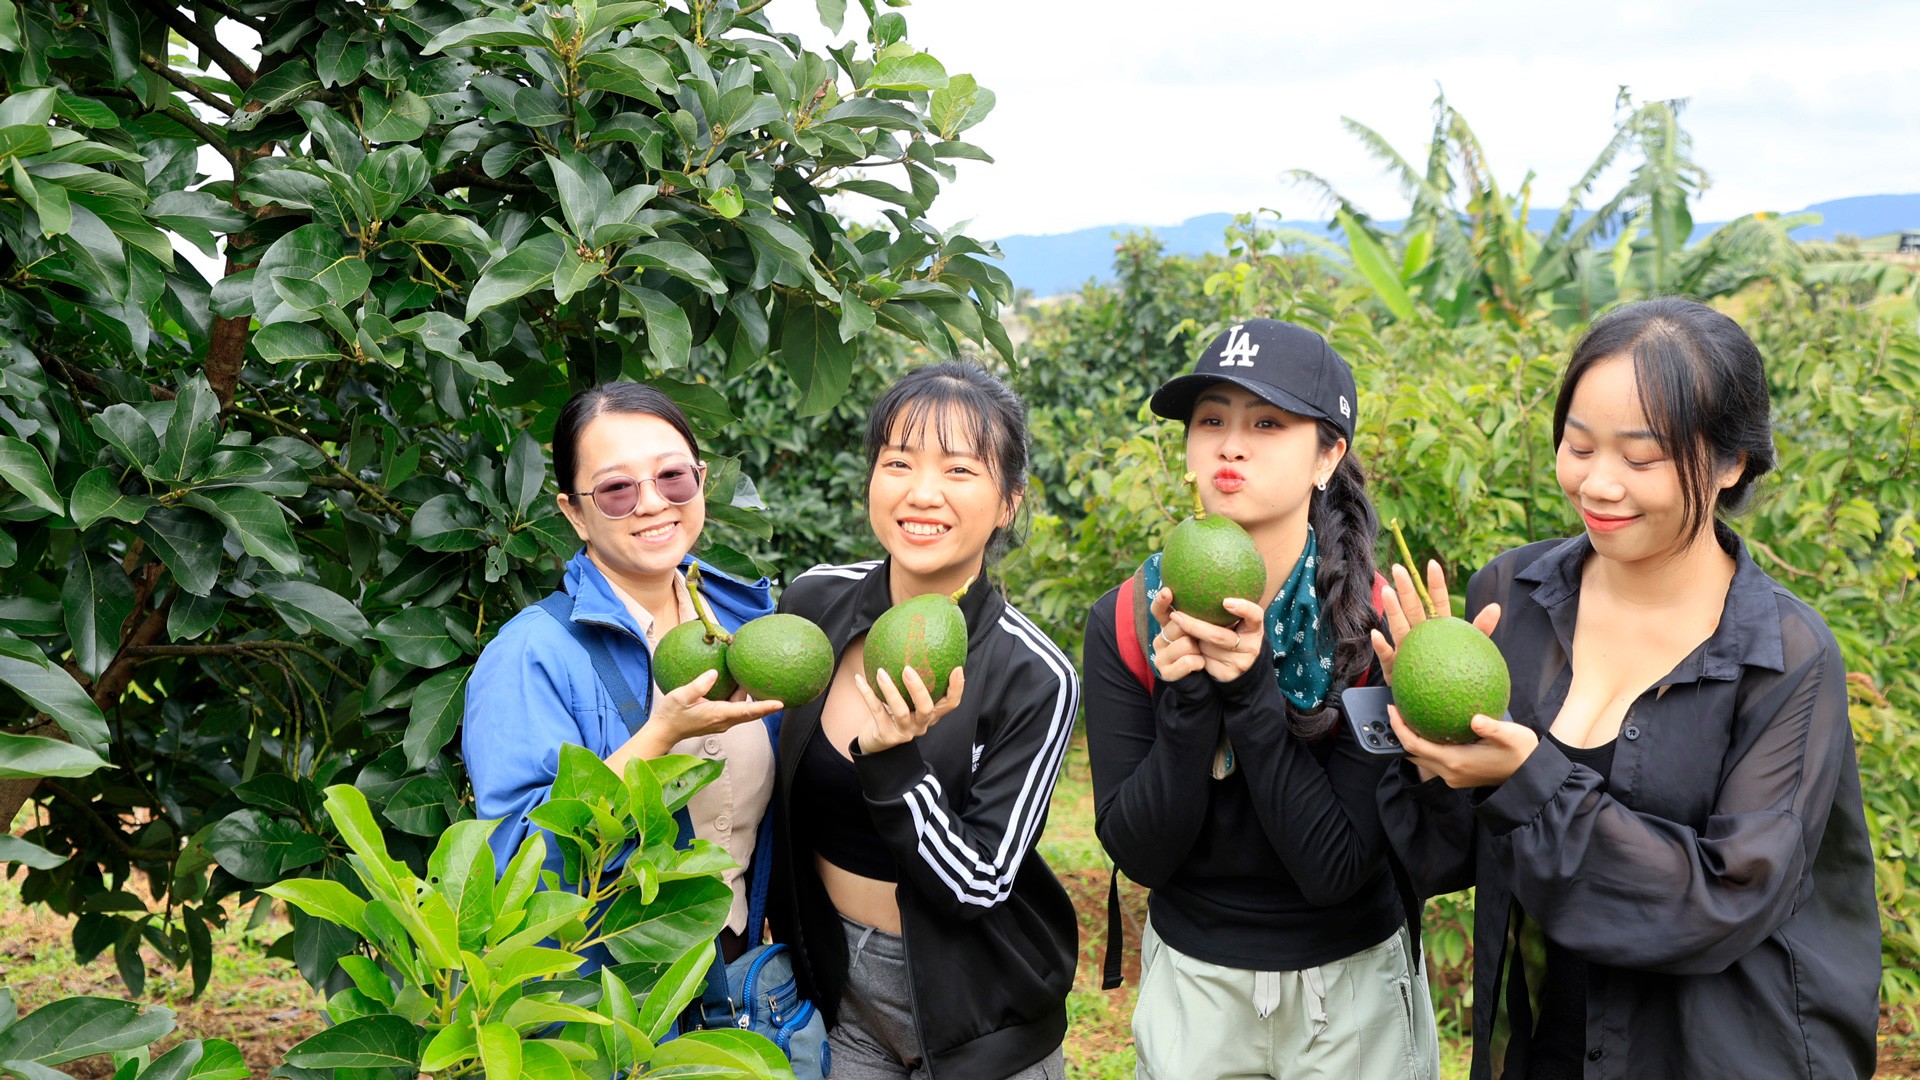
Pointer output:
1110, 976
1130, 611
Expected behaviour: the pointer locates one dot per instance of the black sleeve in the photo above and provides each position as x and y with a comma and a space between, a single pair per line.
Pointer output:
1321, 820
1150, 757
962, 853
1585, 865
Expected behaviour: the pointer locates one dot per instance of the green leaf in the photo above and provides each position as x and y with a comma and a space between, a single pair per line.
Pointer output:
191, 431
18, 141
443, 229
499, 1051
437, 707
26, 471
188, 541
389, 880
726, 202
453, 1044
447, 522
1372, 262
253, 846
676, 989
76, 1027
669, 337
815, 357
28, 108
418, 636
257, 520
461, 868
305, 607
54, 692
24, 757
833, 14
526, 268
14, 850
127, 431
679, 260
275, 90
526, 472
915, 72
856, 316
399, 119
717, 1052
97, 599
584, 190
382, 1041
219, 1060
631, 72
324, 899
484, 32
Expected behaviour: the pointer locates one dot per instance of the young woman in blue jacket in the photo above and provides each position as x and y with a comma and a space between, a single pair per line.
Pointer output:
631, 483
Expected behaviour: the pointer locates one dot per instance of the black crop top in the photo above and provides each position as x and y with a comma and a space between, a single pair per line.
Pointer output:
830, 813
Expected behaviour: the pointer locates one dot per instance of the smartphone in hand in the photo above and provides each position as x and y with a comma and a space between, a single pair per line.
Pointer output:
1366, 709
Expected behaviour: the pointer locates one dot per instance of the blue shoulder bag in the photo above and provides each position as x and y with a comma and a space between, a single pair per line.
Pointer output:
758, 991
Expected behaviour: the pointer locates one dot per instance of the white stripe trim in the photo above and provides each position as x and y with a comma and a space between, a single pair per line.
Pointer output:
973, 879
854, 571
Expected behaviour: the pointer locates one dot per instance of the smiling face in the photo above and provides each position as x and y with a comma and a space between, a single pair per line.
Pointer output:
1615, 472
1257, 463
934, 509
653, 539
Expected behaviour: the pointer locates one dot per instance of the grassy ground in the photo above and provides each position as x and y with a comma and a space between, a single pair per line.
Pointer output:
261, 1004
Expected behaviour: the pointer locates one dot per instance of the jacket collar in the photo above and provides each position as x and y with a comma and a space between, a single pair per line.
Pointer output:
980, 605
595, 601
1749, 630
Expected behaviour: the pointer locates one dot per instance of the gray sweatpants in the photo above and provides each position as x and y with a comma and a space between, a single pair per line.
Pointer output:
1365, 1015
875, 1038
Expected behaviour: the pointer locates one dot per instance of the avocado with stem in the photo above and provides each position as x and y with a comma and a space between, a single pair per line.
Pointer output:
1445, 671
1209, 559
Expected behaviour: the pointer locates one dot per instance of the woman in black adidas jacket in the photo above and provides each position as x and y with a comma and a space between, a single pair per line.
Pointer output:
928, 930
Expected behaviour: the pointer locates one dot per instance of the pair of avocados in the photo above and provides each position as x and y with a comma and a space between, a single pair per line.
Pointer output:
1445, 671
788, 659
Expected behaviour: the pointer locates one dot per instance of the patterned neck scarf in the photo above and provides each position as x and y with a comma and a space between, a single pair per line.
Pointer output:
1302, 665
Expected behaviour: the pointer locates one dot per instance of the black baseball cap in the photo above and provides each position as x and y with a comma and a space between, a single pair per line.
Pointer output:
1280, 363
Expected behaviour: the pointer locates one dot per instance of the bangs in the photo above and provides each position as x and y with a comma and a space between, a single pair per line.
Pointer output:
947, 413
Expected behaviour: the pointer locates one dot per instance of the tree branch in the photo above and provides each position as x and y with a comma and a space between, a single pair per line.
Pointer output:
241, 648
166, 72
114, 836
365, 488
204, 40
236, 15
467, 176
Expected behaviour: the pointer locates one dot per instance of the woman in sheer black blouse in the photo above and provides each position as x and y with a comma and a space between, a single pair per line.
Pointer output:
1672, 866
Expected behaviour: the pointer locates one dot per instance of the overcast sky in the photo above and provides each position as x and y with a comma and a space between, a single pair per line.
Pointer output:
1124, 111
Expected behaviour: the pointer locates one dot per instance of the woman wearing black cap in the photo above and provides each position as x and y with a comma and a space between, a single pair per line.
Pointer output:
1671, 828
1276, 942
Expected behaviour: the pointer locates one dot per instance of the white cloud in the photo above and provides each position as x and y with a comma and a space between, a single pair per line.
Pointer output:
1151, 113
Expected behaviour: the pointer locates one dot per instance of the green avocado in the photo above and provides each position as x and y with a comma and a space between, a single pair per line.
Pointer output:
1444, 673
1209, 559
687, 652
926, 633
781, 658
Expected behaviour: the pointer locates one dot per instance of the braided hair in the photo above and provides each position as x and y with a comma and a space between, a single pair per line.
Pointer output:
1346, 526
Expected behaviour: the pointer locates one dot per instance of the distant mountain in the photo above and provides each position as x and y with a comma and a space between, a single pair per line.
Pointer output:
1062, 262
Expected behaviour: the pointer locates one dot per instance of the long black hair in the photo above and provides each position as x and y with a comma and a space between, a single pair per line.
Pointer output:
612, 397
1703, 387
1345, 526
991, 424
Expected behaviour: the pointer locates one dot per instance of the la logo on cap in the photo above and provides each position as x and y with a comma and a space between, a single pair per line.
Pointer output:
1240, 349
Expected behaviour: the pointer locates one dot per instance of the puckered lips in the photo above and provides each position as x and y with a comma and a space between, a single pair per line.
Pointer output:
1228, 480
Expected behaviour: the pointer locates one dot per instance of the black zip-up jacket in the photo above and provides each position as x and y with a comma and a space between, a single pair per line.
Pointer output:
1719, 883
1279, 866
991, 936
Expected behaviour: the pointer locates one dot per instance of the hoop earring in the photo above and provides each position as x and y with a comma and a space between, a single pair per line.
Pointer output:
1322, 485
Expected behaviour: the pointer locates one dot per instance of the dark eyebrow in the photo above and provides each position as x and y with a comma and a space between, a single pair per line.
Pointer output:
1214, 396
625, 467
1637, 433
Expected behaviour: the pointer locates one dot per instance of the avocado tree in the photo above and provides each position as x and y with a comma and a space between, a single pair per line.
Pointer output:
258, 524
